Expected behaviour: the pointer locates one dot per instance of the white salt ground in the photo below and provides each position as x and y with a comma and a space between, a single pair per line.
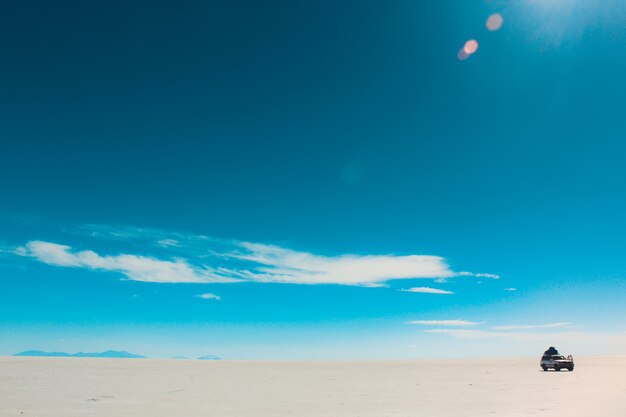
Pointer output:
78, 387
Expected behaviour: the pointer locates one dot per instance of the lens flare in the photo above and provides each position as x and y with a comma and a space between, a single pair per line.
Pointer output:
494, 22
462, 55
471, 46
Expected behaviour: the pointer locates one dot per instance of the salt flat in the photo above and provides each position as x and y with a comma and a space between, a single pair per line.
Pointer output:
77, 387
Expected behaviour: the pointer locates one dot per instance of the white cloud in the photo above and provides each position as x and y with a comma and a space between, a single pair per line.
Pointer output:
426, 290
525, 343
455, 323
552, 339
534, 326
209, 296
483, 334
510, 289
492, 276
201, 259
276, 264
137, 268
164, 243
478, 275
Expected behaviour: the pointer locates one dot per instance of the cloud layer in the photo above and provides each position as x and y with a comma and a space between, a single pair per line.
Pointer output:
534, 326
187, 258
484, 334
426, 290
454, 323
137, 268
510, 332
276, 264
209, 296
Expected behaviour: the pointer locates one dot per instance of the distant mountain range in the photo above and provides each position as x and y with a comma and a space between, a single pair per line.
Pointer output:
202, 358
210, 358
107, 354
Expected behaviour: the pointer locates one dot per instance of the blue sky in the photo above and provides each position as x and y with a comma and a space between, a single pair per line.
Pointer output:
313, 179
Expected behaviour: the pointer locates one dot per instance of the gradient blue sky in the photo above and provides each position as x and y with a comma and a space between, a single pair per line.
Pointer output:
324, 156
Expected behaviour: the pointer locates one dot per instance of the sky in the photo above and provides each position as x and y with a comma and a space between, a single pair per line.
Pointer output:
313, 180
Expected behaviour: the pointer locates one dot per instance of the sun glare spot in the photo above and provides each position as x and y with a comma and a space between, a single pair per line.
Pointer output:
470, 47
494, 22
462, 55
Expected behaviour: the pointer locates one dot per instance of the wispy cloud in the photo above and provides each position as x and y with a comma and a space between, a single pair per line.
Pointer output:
276, 264
534, 326
209, 296
478, 275
583, 341
164, 243
511, 332
181, 257
7, 251
138, 268
466, 334
454, 323
484, 334
426, 290
510, 289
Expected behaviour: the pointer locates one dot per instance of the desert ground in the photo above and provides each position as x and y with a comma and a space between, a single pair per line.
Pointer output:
77, 387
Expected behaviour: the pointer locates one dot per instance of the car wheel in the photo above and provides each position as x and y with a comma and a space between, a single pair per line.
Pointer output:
545, 368
557, 369
570, 368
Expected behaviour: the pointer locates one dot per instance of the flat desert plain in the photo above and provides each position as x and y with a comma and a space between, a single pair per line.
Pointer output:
76, 387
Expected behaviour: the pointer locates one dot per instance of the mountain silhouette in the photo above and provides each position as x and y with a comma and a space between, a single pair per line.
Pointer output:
107, 354
210, 358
